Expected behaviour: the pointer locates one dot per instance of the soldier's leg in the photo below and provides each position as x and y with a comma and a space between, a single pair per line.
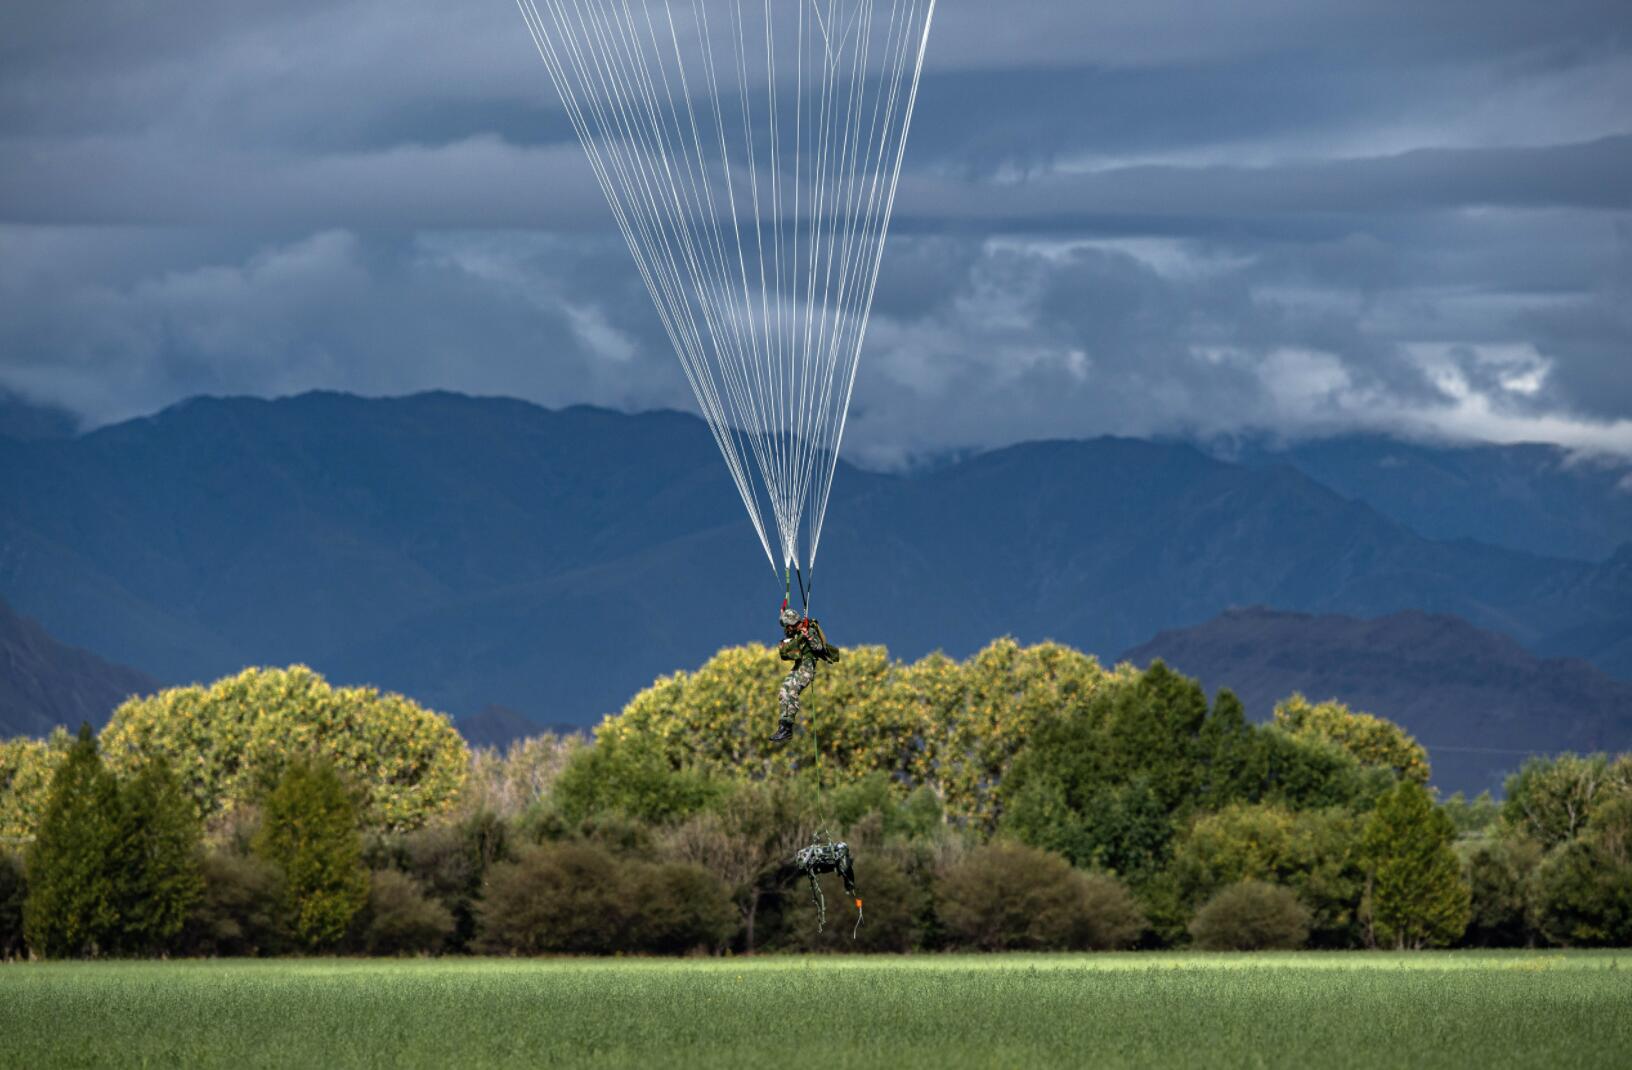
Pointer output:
787, 699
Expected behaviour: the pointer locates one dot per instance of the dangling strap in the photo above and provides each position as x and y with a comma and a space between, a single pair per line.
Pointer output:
819, 899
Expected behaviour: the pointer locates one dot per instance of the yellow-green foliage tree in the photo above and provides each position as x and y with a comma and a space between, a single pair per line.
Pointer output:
1315, 853
26, 768
949, 725
230, 741
979, 723
1372, 740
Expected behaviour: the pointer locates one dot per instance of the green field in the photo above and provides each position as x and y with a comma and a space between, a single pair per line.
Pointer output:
1301, 1009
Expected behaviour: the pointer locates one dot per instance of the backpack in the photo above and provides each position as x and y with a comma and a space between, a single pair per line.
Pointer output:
829, 652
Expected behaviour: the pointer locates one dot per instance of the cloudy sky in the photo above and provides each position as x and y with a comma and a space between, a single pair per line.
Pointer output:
1159, 218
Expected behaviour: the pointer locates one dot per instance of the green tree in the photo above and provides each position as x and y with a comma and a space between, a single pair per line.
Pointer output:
156, 859
1314, 853
1105, 782
1307, 771
1372, 740
13, 893
1584, 886
981, 715
73, 896
1501, 878
1552, 799
1417, 897
309, 831
1472, 817
229, 742
632, 777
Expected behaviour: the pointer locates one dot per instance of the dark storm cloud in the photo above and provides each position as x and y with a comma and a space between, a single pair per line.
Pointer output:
1137, 218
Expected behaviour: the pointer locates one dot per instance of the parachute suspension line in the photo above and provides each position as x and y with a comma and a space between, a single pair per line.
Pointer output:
804, 591
637, 222
864, 302
750, 152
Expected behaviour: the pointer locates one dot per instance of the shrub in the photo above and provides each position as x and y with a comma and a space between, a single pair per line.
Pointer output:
1112, 920
673, 908
894, 907
13, 890
748, 839
401, 919
240, 909
563, 897
1500, 876
579, 898
1007, 896
1251, 915
309, 831
451, 862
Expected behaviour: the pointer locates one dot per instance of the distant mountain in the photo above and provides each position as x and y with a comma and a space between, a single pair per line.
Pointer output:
1608, 642
476, 551
1477, 700
496, 726
27, 421
44, 683
1538, 498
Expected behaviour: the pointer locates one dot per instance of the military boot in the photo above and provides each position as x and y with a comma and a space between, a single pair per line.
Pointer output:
784, 732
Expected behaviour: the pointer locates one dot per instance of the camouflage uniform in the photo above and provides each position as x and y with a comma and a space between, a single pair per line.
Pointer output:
803, 648
796, 649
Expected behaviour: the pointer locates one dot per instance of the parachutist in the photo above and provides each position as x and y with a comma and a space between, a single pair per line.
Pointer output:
803, 644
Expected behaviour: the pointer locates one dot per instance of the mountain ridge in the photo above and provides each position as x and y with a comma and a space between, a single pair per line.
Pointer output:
44, 683
486, 551
1477, 699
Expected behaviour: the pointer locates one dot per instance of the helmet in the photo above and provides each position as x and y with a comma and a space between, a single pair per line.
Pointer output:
789, 616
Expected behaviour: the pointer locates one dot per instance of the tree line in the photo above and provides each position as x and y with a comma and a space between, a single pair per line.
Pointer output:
1025, 798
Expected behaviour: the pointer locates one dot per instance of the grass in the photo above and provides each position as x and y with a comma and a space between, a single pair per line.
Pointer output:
1331, 1011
